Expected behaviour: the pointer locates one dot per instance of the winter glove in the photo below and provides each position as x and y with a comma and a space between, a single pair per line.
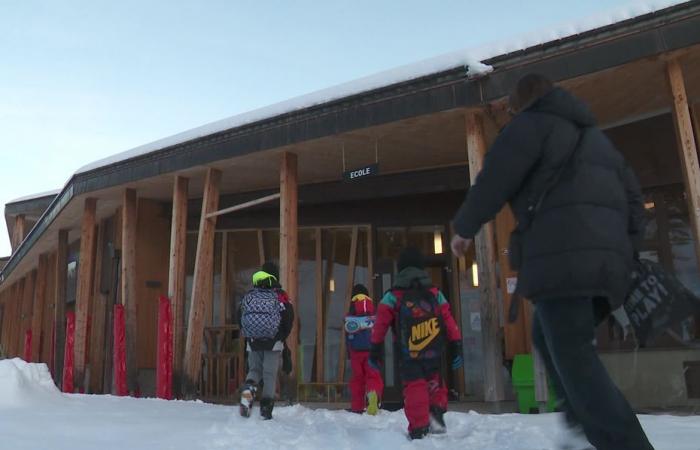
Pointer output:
456, 358
286, 360
376, 356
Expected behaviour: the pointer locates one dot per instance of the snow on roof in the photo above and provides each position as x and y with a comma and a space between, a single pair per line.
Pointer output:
470, 59
38, 195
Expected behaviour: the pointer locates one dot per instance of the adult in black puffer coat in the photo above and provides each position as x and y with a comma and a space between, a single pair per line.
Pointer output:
580, 242
576, 252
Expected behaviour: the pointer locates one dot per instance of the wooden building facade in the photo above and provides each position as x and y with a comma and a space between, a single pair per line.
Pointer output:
192, 221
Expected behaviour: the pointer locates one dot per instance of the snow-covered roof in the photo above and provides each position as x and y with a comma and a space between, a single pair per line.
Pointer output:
471, 59
38, 195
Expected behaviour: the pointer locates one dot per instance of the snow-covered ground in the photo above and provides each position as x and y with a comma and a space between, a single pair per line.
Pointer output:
34, 415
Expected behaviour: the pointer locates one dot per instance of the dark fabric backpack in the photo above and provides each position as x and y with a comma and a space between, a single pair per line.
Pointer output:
261, 313
420, 328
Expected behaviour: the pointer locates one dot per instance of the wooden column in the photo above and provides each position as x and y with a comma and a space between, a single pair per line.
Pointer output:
456, 310
686, 147
99, 315
59, 296
202, 285
320, 331
177, 273
128, 283
86, 271
289, 242
19, 232
47, 326
346, 304
484, 242
27, 308
38, 313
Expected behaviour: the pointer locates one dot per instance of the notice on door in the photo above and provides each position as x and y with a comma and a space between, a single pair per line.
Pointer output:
362, 172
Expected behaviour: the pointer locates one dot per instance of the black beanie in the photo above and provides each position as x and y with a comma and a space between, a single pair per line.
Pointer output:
411, 257
359, 289
272, 269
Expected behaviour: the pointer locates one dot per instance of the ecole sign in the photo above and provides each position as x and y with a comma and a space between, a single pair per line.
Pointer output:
363, 172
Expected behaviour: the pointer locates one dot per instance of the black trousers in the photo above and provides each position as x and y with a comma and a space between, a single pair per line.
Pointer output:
563, 332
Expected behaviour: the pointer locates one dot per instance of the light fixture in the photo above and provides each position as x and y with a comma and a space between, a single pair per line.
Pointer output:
475, 275
649, 205
332, 285
437, 242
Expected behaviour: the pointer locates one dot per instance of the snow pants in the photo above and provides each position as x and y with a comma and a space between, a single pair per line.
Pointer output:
364, 379
264, 365
423, 387
563, 332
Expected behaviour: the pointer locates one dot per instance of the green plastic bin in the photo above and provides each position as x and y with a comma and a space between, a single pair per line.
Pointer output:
524, 383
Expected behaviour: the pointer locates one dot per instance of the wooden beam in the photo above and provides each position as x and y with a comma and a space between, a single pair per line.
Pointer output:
202, 285
320, 331
686, 146
486, 259
38, 313
177, 274
19, 232
245, 205
223, 310
128, 283
59, 296
99, 315
289, 247
370, 263
86, 273
346, 304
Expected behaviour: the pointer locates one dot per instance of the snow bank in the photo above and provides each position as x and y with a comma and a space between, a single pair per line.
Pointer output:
88, 422
25, 384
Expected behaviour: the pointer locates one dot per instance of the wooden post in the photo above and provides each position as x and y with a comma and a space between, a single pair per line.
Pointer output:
177, 273
457, 312
59, 295
320, 331
38, 314
346, 304
86, 271
686, 147
47, 326
202, 286
27, 309
486, 259
128, 283
99, 316
370, 263
19, 232
289, 241
223, 309
261, 247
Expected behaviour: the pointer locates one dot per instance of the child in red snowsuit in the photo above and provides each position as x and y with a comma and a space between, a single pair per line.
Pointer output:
424, 328
366, 383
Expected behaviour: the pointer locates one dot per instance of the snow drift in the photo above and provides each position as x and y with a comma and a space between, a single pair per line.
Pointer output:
25, 384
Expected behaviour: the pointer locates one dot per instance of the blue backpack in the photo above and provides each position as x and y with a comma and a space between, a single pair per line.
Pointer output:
358, 331
261, 313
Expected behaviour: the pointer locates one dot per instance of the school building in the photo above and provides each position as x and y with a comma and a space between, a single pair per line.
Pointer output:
332, 186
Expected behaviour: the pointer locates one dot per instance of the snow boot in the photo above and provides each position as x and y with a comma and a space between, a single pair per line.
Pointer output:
418, 433
437, 420
266, 405
372, 403
247, 399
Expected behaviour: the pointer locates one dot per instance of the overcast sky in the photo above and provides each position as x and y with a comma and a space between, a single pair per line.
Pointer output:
80, 80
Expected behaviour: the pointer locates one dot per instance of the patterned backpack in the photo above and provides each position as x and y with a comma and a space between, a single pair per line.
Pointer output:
421, 331
261, 313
